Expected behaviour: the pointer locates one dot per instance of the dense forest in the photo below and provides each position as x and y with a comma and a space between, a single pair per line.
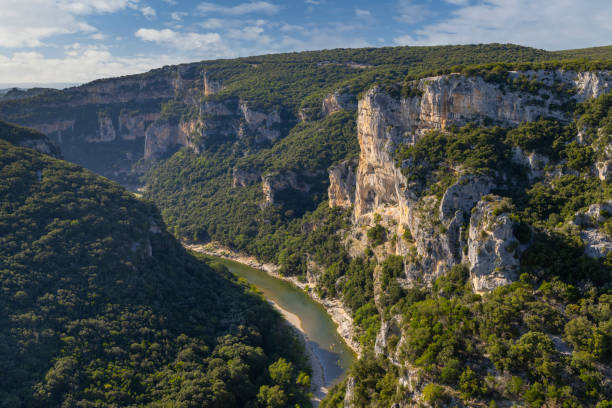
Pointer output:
102, 307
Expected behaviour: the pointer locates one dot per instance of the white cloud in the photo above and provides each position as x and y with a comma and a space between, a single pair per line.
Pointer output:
98, 37
250, 33
78, 64
410, 12
363, 13
209, 43
27, 23
289, 27
241, 9
178, 15
566, 24
148, 12
214, 23
93, 6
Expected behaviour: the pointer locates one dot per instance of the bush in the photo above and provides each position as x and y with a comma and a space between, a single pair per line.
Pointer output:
377, 235
435, 395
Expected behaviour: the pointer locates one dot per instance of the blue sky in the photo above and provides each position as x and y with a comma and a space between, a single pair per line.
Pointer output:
45, 41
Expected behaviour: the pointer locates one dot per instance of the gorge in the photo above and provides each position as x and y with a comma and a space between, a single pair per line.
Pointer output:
455, 201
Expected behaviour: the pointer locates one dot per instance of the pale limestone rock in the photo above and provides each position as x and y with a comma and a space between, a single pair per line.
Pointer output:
106, 130
132, 125
161, 136
341, 191
56, 127
591, 84
349, 394
274, 183
263, 124
604, 170
492, 247
244, 177
463, 195
337, 101
534, 162
389, 328
597, 243
382, 189
211, 86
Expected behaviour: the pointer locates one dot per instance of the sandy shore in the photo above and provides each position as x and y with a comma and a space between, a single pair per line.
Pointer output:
317, 381
334, 307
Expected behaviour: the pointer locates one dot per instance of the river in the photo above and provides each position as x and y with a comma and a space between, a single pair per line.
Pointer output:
332, 353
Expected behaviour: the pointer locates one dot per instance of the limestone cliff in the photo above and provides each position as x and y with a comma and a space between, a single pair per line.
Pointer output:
275, 183
341, 191
493, 250
337, 101
438, 226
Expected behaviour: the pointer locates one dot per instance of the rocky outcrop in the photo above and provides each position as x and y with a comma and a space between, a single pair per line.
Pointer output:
337, 101
42, 145
342, 183
222, 120
492, 248
161, 136
388, 338
28, 138
263, 125
211, 86
106, 130
54, 127
597, 242
437, 227
433, 224
274, 183
243, 177
534, 162
349, 393
132, 125
604, 170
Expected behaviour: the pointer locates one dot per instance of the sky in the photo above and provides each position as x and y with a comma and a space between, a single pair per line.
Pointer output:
71, 41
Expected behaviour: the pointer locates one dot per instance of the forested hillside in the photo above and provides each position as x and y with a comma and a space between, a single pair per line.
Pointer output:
102, 307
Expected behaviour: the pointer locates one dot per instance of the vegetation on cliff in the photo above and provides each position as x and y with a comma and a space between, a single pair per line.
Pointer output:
102, 307
545, 340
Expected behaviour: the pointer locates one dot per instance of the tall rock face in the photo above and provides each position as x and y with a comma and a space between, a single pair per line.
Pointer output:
342, 182
493, 250
103, 124
211, 86
161, 136
108, 125
433, 232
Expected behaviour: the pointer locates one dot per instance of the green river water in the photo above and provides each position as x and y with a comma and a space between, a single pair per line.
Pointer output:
332, 352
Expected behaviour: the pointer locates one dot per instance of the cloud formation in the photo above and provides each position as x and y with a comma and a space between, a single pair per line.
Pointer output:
562, 25
78, 64
206, 43
263, 7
